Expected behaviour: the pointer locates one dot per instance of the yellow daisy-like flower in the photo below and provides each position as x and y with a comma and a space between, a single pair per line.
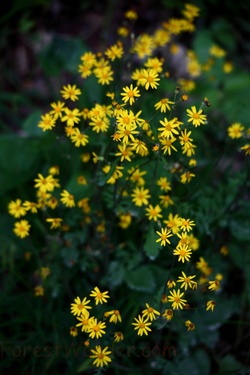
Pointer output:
131, 15
186, 177
184, 253
211, 305
30, 206
140, 196
55, 222
166, 200
44, 184
190, 326
150, 312
175, 298
246, 149
67, 199
171, 283
39, 291
85, 321
73, 331
149, 79
187, 281
113, 315
235, 130
79, 307
190, 11
99, 124
47, 122
16, 208
169, 128
214, 285
100, 297
168, 314
101, 356
71, 117
78, 138
164, 184
173, 222
164, 235
118, 336
96, 329
167, 145
44, 272
197, 118
143, 46
187, 224
70, 92
142, 325
125, 152
115, 52
57, 110
130, 93
22, 228
163, 105
153, 213
154, 63
104, 75
217, 51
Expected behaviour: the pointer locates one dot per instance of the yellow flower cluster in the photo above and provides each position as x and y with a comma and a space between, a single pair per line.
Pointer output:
94, 328
138, 147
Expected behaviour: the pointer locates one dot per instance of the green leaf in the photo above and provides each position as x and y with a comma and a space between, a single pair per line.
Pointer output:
201, 45
230, 365
151, 248
141, 279
17, 167
61, 54
115, 274
30, 125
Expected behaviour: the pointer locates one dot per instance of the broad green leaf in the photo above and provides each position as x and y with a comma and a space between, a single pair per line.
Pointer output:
141, 279
19, 166
30, 125
151, 247
230, 365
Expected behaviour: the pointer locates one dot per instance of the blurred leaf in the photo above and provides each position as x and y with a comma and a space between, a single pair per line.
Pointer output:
114, 275
151, 248
141, 279
61, 54
201, 44
229, 365
223, 34
197, 363
17, 167
31, 122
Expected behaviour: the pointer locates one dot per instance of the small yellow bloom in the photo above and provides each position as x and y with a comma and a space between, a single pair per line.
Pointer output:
16, 208
164, 235
190, 326
100, 297
150, 312
67, 199
142, 325
101, 356
39, 291
70, 92
73, 331
22, 228
130, 93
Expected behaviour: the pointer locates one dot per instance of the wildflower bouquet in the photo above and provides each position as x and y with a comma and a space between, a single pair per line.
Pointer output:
116, 216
